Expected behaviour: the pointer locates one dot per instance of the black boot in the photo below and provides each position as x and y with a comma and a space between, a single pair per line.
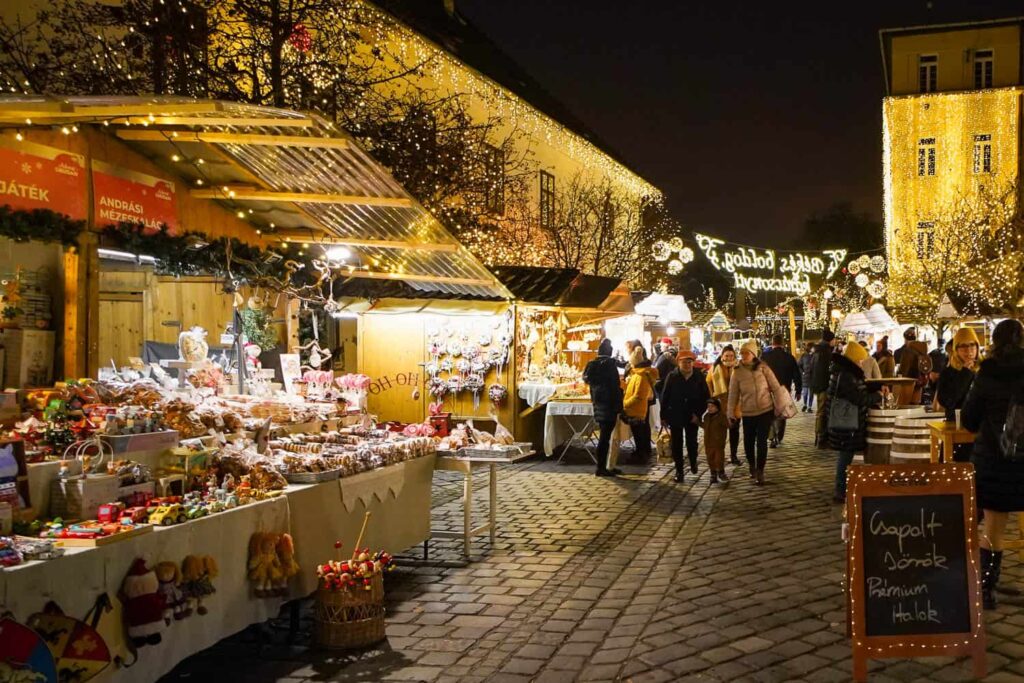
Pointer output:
988, 578
997, 570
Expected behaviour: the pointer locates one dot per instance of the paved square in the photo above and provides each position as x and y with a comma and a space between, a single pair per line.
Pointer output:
634, 579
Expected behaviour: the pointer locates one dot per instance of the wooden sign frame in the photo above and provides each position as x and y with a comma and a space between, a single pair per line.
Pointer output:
869, 481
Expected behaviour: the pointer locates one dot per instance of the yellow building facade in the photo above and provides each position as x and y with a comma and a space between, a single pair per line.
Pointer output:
951, 130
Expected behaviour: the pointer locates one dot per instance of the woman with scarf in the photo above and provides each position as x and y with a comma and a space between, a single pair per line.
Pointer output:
718, 385
955, 381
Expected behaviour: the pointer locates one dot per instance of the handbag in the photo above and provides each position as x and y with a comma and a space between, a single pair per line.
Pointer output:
1011, 441
785, 407
843, 415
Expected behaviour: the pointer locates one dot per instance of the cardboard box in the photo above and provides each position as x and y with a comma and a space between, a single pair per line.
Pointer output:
28, 358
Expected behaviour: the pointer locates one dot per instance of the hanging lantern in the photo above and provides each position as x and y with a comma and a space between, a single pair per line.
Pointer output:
661, 250
675, 266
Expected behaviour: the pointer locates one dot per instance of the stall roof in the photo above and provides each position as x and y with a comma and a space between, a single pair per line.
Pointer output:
875, 320
294, 171
668, 307
703, 318
565, 287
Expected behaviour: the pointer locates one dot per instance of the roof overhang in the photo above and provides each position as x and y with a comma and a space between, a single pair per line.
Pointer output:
286, 171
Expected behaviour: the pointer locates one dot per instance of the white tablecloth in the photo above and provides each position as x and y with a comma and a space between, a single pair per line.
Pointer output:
559, 420
316, 515
538, 393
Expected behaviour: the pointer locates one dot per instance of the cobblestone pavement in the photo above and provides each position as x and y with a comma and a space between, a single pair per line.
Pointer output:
635, 579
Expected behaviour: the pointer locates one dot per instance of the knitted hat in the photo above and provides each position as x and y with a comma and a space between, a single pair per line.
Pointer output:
666, 341
855, 352
753, 347
965, 336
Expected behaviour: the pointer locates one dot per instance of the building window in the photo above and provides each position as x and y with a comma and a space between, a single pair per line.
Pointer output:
925, 240
928, 72
547, 200
494, 180
983, 62
983, 153
926, 157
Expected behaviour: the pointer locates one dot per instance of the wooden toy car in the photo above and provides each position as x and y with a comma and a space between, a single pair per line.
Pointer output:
135, 515
166, 515
110, 512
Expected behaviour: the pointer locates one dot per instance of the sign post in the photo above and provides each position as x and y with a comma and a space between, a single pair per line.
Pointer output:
913, 582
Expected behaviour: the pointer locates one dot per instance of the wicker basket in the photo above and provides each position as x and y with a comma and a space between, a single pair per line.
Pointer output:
349, 619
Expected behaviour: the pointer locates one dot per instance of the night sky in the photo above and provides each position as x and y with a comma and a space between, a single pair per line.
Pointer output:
748, 115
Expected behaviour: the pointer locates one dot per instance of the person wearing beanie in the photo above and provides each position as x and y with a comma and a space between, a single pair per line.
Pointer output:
998, 461
683, 401
637, 400
602, 376
956, 379
913, 363
751, 392
718, 385
846, 409
716, 427
883, 356
820, 373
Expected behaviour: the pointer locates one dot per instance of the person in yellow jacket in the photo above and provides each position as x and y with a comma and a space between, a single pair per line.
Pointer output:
638, 399
718, 385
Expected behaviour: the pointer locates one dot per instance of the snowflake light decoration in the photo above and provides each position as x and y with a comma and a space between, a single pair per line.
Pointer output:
675, 266
877, 263
876, 289
661, 250
862, 280
686, 255
853, 267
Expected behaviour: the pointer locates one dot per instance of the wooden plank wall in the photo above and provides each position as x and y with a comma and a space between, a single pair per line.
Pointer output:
135, 306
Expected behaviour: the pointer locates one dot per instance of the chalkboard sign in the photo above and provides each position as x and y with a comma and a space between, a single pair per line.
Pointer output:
913, 577
915, 565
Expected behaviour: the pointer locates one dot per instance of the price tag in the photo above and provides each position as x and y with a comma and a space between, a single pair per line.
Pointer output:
227, 339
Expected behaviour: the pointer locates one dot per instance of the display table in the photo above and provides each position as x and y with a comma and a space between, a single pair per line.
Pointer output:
568, 421
466, 465
949, 435
397, 497
539, 393
75, 580
317, 515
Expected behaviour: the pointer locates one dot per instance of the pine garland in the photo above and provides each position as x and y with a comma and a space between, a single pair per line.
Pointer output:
42, 225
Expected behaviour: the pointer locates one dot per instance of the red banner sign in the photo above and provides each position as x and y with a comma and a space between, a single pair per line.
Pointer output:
123, 195
40, 177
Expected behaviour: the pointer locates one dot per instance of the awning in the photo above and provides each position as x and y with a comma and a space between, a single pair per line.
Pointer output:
665, 307
872, 321
301, 176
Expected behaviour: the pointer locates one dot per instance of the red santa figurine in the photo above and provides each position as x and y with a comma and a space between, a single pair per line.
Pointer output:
143, 604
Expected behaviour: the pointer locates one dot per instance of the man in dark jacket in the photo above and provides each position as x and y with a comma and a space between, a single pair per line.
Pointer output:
847, 386
683, 401
787, 371
819, 383
602, 375
806, 364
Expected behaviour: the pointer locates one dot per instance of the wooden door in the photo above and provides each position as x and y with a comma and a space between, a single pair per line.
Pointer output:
121, 327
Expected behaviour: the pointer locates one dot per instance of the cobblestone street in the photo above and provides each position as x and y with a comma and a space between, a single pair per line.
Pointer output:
635, 578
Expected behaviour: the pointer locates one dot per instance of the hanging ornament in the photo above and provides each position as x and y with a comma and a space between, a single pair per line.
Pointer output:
864, 261
675, 267
877, 263
300, 39
676, 243
686, 255
876, 289
661, 251
862, 280
853, 267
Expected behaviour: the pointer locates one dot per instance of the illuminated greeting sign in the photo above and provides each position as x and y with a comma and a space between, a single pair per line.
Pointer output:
790, 272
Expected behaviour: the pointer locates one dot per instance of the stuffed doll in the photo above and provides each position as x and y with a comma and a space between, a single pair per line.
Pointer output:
252, 358
286, 559
264, 566
198, 573
174, 600
143, 604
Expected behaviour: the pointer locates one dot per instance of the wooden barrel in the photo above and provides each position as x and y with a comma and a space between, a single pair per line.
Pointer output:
881, 422
911, 440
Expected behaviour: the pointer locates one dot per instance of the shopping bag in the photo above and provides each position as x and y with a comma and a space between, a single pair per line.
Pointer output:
663, 446
785, 407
